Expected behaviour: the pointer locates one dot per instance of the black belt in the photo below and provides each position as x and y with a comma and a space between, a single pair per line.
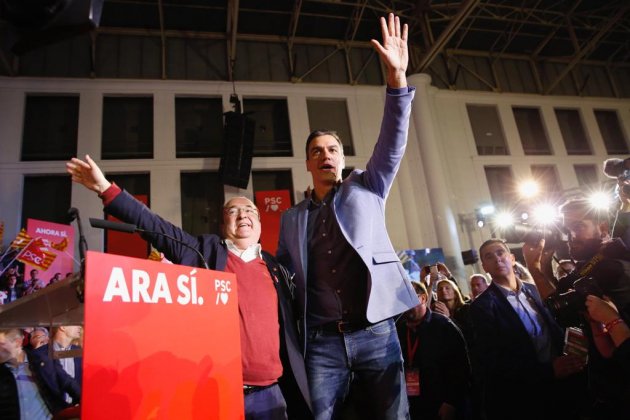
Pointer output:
250, 389
342, 326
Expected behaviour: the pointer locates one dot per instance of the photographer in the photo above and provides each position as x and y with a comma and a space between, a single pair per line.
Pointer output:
602, 268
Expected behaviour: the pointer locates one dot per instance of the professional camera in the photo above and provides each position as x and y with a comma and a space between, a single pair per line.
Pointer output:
620, 170
530, 234
566, 306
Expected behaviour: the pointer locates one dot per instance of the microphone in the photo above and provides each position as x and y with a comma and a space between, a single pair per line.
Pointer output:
614, 168
117, 226
129, 228
73, 213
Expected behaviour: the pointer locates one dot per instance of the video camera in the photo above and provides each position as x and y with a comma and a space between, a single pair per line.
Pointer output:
529, 234
599, 276
566, 307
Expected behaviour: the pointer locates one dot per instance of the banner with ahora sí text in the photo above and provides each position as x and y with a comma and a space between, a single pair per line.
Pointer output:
58, 239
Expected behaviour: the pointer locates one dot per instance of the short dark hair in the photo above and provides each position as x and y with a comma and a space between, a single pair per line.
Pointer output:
319, 133
493, 241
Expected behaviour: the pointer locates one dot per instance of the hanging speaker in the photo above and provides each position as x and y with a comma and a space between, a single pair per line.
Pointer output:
37, 23
236, 162
470, 257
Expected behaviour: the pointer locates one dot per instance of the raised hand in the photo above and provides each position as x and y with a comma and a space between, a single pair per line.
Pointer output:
393, 51
88, 174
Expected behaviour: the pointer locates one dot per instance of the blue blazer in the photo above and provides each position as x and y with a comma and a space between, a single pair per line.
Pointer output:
213, 248
359, 206
78, 363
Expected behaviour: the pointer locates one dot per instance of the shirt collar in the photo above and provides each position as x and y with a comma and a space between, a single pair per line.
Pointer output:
507, 291
327, 198
255, 249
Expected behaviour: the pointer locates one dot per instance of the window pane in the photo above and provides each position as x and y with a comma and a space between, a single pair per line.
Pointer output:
273, 180
50, 127
127, 128
46, 197
609, 126
135, 184
487, 129
547, 178
586, 174
573, 132
331, 114
199, 127
202, 202
272, 136
501, 185
531, 130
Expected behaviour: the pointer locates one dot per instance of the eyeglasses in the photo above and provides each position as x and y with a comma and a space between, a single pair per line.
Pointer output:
235, 211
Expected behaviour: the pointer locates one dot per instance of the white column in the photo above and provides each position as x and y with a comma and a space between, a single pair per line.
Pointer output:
428, 138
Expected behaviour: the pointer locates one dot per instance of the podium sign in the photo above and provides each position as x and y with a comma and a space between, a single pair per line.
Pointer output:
161, 341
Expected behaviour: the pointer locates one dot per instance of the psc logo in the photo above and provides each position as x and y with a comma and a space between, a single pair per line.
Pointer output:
272, 203
223, 289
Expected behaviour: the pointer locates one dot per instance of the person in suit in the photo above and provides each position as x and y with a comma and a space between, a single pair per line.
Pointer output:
273, 368
12, 290
437, 368
345, 266
518, 346
62, 340
31, 385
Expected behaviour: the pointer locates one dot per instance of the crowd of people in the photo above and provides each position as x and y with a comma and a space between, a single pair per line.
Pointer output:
354, 337
13, 285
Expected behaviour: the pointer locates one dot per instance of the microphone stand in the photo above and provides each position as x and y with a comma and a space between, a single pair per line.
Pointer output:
83, 247
130, 228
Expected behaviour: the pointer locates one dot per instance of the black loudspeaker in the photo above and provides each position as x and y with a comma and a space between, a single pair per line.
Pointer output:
470, 256
37, 23
236, 162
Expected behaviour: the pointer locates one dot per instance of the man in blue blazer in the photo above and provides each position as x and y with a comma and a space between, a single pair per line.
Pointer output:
518, 347
274, 378
349, 280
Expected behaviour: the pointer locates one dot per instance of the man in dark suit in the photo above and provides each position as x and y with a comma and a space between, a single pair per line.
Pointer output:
31, 385
63, 338
518, 345
273, 368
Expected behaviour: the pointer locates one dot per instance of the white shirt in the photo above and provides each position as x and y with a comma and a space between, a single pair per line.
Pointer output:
251, 253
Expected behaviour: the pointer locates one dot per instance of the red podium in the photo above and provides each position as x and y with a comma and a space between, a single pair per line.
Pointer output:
161, 341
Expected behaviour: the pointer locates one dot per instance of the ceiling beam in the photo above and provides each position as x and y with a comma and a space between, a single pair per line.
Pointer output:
466, 9
588, 47
293, 25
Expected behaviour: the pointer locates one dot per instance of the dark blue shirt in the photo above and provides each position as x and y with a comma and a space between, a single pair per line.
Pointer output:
337, 277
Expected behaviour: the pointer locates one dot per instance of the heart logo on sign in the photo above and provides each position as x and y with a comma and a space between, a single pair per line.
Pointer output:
224, 298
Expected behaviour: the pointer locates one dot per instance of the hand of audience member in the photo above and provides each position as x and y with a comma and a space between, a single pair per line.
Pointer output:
441, 308
88, 174
601, 310
567, 364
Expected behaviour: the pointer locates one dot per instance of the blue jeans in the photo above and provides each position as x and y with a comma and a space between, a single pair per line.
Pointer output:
267, 404
371, 357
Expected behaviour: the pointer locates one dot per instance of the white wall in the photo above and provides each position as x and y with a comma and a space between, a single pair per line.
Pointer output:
441, 153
